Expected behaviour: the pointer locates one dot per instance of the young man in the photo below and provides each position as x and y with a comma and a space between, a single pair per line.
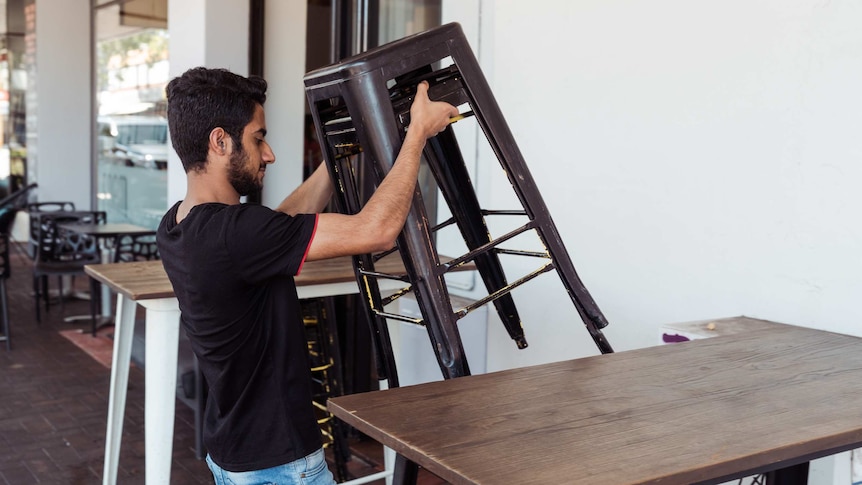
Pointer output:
232, 268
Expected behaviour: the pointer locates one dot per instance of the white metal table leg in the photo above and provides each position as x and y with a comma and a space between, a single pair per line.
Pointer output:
124, 329
162, 343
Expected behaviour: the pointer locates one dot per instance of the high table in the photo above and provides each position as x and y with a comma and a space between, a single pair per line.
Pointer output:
704, 411
146, 283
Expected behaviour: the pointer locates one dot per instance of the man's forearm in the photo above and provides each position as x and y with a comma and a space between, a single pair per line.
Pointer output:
391, 202
311, 197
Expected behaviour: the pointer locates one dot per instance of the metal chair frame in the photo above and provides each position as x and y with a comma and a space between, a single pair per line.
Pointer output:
35, 209
63, 254
378, 85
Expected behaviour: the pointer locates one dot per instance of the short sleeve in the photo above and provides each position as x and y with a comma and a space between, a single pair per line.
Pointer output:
264, 243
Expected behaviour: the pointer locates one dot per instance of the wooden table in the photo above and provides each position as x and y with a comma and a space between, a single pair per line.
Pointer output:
146, 283
704, 411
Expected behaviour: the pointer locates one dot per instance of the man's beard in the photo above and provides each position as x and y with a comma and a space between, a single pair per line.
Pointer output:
243, 181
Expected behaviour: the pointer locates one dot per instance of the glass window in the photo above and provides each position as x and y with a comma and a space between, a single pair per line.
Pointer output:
15, 65
132, 130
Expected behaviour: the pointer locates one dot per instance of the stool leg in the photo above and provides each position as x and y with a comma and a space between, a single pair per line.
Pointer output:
444, 157
348, 201
406, 472
493, 124
371, 99
792, 475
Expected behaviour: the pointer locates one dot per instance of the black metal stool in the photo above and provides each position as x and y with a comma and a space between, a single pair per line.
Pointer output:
377, 87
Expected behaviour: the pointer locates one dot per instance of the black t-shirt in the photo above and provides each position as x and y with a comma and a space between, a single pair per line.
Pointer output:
232, 269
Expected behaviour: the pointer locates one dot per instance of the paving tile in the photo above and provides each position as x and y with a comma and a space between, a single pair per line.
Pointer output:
16, 474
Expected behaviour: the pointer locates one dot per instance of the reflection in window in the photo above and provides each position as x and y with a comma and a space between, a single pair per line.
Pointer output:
132, 71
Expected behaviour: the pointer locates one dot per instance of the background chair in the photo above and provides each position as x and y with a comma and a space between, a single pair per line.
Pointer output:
138, 247
34, 210
6, 219
9, 208
63, 253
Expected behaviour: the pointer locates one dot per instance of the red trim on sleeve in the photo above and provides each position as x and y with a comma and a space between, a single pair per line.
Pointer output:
307, 248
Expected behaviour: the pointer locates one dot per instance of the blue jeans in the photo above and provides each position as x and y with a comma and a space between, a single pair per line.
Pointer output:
311, 470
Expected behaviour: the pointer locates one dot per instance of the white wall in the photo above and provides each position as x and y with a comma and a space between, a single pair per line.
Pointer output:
210, 33
701, 160
284, 67
63, 122
698, 159
214, 33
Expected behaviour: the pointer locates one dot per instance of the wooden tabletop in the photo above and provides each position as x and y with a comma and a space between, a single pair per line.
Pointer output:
147, 279
692, 412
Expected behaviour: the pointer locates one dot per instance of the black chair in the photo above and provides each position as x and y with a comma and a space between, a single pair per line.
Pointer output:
63, 253
35, 209
135, 247
9, 208
6, 218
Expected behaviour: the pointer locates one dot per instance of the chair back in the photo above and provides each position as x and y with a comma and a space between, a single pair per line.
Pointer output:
136, 247
35, 210
53, 206
55, 245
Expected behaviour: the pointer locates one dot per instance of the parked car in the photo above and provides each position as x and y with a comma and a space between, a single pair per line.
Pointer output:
137, 141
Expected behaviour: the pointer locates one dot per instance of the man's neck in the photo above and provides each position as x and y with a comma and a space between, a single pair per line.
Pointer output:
204, 189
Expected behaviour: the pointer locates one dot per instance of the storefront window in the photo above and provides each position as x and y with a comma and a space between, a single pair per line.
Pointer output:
13, 93
131, 73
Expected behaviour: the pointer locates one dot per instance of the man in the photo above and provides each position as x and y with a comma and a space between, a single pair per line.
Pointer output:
232, 268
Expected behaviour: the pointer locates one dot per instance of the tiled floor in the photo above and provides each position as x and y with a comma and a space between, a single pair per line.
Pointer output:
54, 400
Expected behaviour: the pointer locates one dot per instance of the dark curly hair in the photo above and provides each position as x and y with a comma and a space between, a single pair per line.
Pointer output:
203, 99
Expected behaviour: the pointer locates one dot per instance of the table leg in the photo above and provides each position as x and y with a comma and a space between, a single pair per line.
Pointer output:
792, 475
123, 332
107, 257
406, 472
162, 344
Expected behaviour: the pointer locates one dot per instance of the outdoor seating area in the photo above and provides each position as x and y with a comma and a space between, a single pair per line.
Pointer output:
430, 242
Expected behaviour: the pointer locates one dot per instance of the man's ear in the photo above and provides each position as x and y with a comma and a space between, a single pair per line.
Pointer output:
218, 141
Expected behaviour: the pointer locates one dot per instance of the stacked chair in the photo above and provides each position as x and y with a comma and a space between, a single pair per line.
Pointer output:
318, 315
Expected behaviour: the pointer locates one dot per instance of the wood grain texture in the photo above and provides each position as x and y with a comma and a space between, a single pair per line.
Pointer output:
146, 280
699, 411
